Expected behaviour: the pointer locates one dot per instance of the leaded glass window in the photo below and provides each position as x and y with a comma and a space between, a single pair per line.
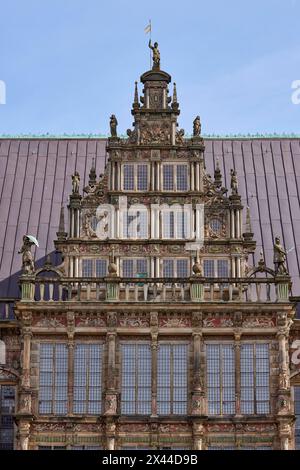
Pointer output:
134, 267
220, 367
175, 177
92, 267
297, 413
86, 447
142, 177
135, 177
168, 177
53, 381
255, 377
215, 268
87, 393
172, 377
128, 182
136, 378
176, 267
7, 409
182, 178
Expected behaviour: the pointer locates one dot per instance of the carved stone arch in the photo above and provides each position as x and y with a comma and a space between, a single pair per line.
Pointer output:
8, 374
253, 271
48, 270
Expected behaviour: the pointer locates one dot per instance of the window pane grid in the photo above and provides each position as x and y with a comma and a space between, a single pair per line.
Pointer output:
53, 390
136, 379
255, 392
172, 363
220, 364
128, 181
142, 177
182, 177
87, 388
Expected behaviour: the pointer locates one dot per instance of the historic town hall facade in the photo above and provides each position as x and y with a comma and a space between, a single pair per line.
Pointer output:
155, 331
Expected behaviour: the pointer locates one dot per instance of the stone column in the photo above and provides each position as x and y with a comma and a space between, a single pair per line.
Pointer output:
110, 434
154, 345
232, 225
192, 176
24, 431
197, 176
237, 348
154, 375
237, 224
284, 435
198, 433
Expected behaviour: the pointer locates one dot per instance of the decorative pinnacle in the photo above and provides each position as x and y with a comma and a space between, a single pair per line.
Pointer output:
175, 104
136, 97
248, 220
92, 175
218, 175
61, 234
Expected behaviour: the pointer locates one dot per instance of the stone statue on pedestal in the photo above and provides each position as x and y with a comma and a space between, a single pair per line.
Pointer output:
113, 125
279, 258
156, 55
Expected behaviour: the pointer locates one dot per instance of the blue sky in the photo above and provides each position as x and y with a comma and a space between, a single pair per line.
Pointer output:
69, 64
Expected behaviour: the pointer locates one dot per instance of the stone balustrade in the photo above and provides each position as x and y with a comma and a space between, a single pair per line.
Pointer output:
193, 289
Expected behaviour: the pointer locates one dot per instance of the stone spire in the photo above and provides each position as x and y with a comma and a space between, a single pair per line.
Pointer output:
136, 104
61, 234
92, 175
218, 175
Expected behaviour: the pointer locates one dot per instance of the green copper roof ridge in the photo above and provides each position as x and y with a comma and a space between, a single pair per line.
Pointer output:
241, 136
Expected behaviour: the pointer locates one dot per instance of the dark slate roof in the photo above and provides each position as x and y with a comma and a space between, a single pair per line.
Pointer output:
35, 180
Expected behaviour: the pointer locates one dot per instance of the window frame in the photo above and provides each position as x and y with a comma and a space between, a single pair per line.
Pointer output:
5, 445
172, 386
137, 387
175, 177
135, 176
221, 375
94, 262
88, 379
215, 261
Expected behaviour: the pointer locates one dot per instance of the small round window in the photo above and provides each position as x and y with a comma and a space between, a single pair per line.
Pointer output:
215, 225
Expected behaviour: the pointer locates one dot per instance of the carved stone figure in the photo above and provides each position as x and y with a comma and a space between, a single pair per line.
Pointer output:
113, 125
234, 182
75, 183
132, 136
179, 136
279, 257
155, 55
196, 127
27, 258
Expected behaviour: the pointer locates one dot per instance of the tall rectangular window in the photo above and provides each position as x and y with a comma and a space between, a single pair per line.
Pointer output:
220, 367
142, 177
135, 177
172, 379
255, 378
136, 378
87, 268
182, 178
7, 410
101, 267
87, 392
53, 385
128, 182
135, 223
175, 177
175, 224
297, 414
